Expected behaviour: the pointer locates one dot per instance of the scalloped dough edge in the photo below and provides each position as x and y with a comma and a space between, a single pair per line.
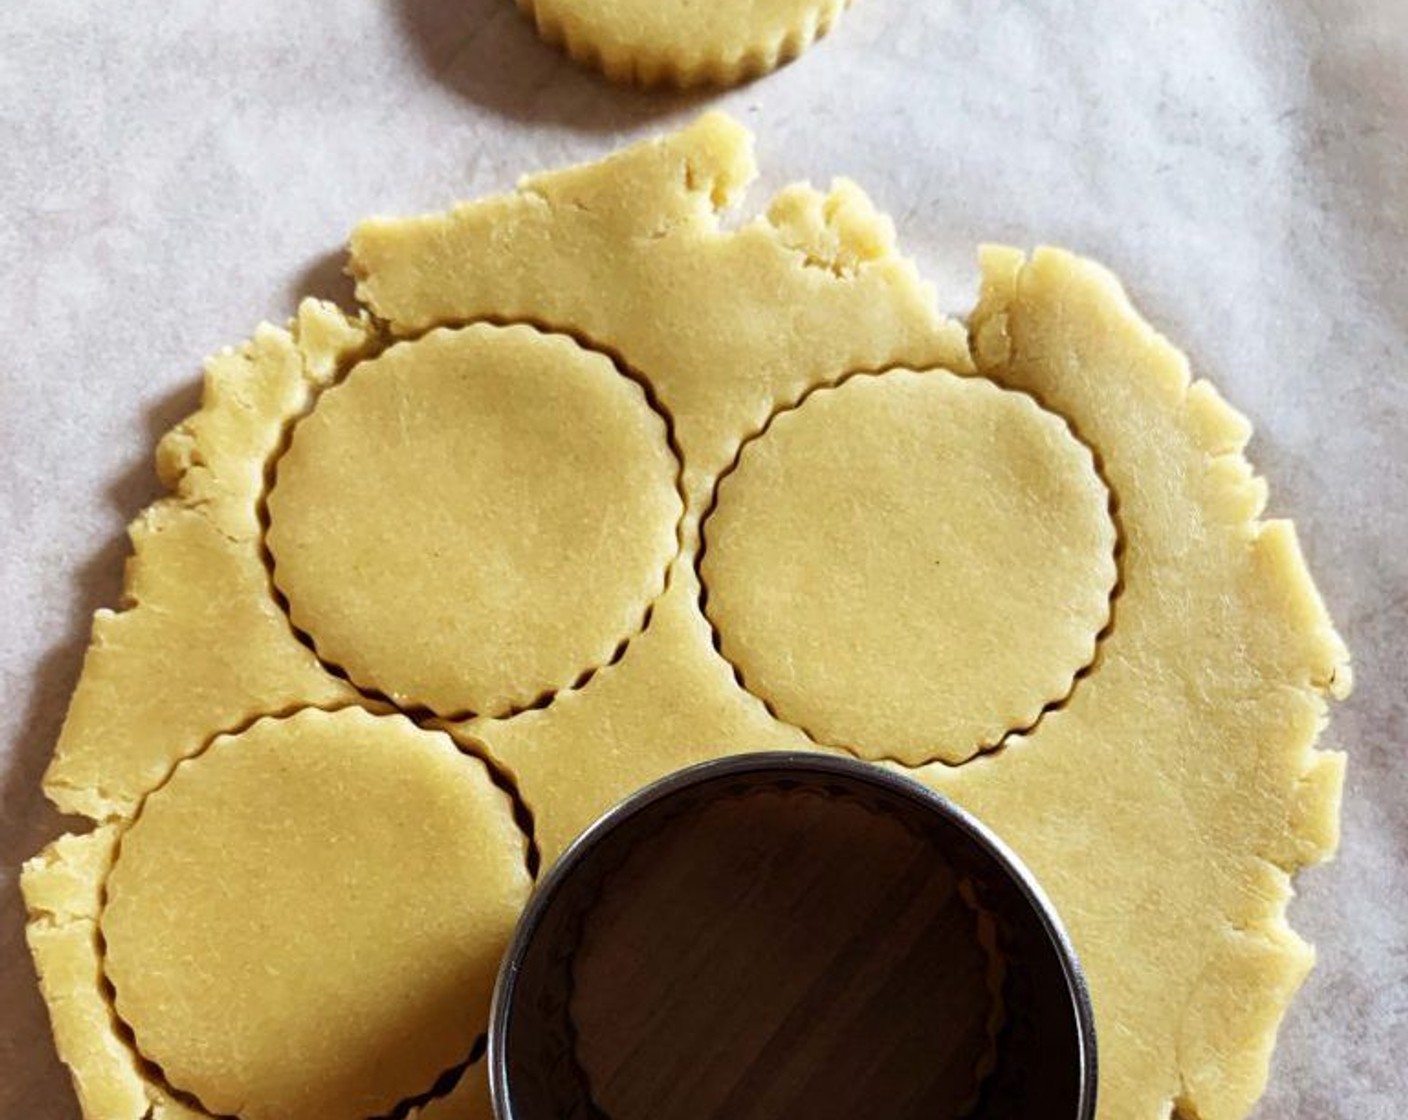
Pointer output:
62, 887
1023, 720
568, 351
637, 64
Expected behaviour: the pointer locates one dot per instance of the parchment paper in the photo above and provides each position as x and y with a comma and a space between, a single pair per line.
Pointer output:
172, 172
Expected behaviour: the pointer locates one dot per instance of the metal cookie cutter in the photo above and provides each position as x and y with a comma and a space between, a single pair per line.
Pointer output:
1043, 1060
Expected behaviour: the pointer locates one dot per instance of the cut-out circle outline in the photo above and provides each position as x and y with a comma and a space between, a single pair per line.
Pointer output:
373, 690
983, 750
469, 750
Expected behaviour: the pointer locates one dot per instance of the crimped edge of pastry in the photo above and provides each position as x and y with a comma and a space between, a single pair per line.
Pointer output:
639, 65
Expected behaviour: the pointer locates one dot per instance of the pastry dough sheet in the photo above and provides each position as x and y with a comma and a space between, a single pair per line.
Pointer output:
1200, 707
148, 239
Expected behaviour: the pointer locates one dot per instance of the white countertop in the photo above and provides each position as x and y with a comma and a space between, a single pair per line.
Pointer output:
174, 172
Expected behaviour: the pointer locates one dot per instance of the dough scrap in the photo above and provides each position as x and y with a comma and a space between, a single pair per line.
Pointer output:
475, 519
910, 566
307, 919
1163, 807
679, 43
62, 888
200, 645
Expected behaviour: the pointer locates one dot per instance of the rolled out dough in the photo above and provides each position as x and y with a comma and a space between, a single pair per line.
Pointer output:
1164, 802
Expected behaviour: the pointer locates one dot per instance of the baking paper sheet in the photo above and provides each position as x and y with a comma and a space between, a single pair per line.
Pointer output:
175, 171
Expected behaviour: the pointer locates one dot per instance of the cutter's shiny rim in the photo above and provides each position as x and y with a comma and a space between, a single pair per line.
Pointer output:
795, 764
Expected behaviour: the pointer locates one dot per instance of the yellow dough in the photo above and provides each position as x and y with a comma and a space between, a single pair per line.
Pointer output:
1164, 797
629, 256
200, 646
680, 42
475, 519
306, 920
63, 889
911, 565
1164, 808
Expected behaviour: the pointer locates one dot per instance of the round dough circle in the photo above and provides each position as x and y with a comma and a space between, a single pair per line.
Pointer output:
911, 565
681, 42
476, 519
288, 887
